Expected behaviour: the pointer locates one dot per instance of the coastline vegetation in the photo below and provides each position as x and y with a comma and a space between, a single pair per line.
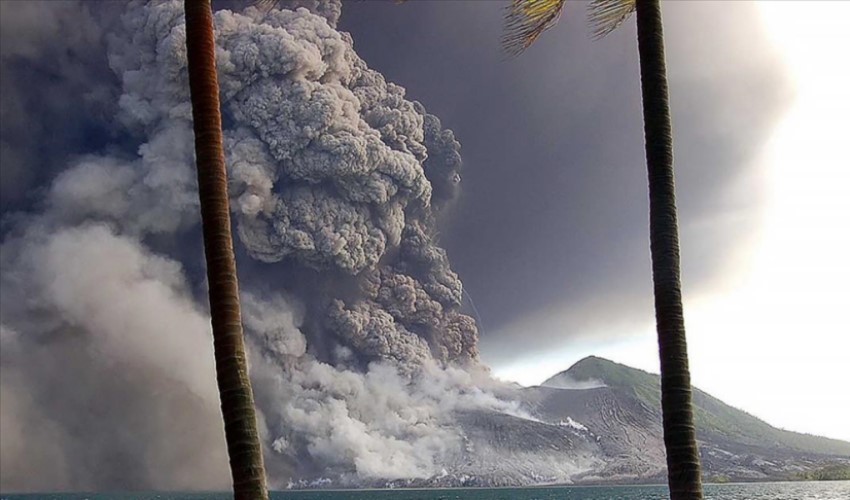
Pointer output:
832, 472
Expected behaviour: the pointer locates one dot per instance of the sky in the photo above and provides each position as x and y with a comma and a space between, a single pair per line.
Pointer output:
101, 252
550, 232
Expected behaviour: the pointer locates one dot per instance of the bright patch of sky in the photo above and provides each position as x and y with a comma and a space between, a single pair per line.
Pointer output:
776, 342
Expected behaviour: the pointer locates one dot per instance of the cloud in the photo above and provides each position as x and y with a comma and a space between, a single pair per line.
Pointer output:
359, 351
564, 381
75, 86
550, 234
97, 356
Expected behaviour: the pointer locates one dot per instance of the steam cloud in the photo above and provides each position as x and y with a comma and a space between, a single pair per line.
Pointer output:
564, 381
359, 352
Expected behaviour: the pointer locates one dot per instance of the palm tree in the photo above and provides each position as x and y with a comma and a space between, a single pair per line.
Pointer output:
525, 21
237, 400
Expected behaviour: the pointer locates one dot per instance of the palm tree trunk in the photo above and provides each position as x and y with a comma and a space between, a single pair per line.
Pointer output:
237, 401
683, 467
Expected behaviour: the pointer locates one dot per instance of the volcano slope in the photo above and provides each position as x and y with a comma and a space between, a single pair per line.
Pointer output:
600, 422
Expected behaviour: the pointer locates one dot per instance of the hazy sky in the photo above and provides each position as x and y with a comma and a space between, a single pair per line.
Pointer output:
550, 233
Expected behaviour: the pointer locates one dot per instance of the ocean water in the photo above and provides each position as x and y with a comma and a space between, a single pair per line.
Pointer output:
831, 490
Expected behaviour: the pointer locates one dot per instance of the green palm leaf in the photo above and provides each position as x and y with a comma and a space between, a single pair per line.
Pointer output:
526, 20
604, 16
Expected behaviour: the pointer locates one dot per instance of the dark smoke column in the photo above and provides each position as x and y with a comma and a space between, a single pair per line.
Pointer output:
334, 171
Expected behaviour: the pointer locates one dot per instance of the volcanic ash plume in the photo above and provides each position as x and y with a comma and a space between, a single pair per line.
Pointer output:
359, 352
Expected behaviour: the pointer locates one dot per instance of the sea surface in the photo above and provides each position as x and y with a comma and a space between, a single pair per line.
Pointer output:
826, 490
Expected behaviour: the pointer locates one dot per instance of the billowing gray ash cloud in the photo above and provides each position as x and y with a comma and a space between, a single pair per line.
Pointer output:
359, 351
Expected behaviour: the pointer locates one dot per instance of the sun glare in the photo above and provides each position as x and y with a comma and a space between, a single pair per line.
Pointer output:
785, 330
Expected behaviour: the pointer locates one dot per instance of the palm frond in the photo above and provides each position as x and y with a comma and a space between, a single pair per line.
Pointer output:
265, 5
526, 20
604, 16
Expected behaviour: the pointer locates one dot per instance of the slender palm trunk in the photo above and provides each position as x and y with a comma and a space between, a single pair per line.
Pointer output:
683, 467
237, 401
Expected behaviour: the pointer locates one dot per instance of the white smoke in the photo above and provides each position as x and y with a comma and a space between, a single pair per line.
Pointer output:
359, 353
564, 381
104, 349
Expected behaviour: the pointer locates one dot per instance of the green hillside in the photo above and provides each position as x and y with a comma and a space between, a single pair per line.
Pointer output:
711, 415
